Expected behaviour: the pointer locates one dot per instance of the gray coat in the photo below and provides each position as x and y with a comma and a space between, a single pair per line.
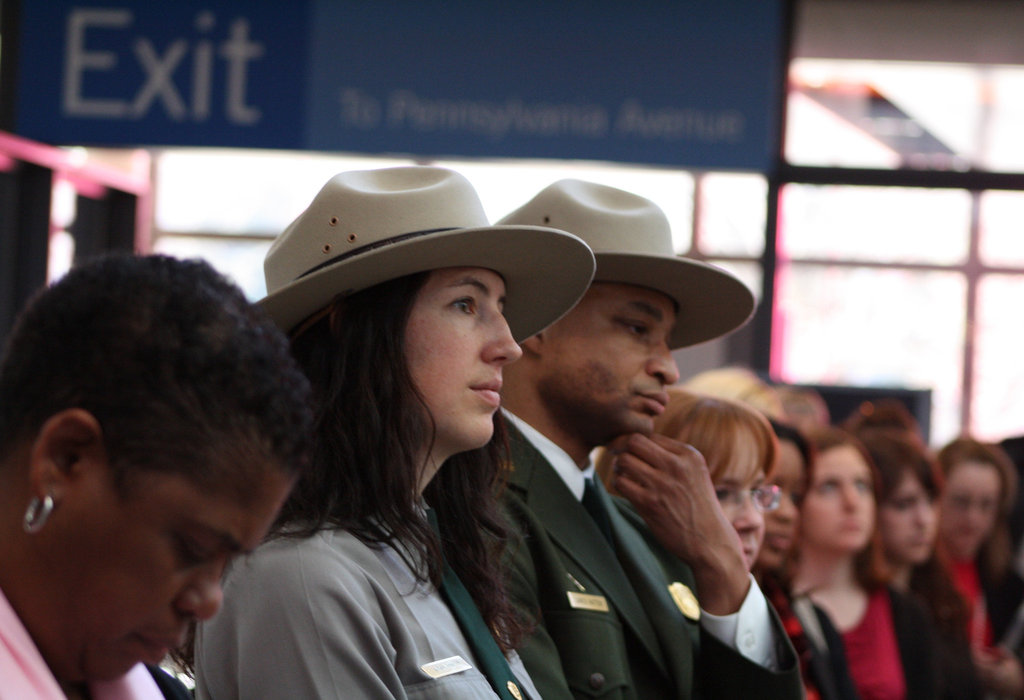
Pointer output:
329, 617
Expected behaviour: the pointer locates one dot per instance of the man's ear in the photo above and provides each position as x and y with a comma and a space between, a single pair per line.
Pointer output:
534, 344
68, 446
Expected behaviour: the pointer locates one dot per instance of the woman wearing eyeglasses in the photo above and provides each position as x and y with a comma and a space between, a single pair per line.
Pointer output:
886, 635
740, 449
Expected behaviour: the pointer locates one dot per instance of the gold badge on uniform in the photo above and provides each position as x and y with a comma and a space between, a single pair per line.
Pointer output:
685, 600
514, 689
586, 601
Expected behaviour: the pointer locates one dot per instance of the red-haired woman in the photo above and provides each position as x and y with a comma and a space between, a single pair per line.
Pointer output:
841, 569
740, 449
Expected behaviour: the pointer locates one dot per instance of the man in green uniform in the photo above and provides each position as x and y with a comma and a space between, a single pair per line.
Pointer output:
614, 586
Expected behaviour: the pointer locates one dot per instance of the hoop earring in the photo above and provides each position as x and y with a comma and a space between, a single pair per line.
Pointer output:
37, 513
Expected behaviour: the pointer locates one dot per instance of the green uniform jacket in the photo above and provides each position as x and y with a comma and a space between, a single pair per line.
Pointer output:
641, 647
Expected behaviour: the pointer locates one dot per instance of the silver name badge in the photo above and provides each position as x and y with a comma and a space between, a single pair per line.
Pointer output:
446, 667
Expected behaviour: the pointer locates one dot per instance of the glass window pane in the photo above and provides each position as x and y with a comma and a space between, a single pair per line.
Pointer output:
1004, 145
873, 327
1002, 228
224, 192
238, 258
874, 224
506, 185
749, 273
817, 135
902, 114
229, 192
996, 407
242, 192
733, 211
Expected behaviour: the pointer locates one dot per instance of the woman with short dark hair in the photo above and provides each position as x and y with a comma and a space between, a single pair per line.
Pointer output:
151, 424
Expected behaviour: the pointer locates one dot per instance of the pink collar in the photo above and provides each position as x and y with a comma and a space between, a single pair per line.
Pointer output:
27, 677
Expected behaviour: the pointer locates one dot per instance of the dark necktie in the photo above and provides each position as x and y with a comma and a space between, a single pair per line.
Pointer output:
492, 661
592, 502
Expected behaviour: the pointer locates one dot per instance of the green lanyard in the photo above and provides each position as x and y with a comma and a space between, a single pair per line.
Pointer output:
488, 654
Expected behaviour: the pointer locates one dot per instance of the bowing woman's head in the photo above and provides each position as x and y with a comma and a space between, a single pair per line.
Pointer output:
152, 422
404, 306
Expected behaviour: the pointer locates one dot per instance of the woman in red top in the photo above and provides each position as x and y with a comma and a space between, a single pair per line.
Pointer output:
975, 505
817, 643
908, 523
886, 635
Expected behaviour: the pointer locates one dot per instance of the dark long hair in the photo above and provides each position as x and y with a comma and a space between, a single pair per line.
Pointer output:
899, 454
996, 553
370, 430
183, 373
787, 432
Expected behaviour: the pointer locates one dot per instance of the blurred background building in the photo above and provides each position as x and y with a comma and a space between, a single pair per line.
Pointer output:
858, 163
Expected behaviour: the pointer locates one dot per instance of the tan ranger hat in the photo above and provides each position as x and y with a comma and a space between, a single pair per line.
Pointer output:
370, 226
632, 241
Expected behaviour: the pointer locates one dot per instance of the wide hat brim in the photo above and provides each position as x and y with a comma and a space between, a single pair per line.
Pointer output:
545, 270
709, 301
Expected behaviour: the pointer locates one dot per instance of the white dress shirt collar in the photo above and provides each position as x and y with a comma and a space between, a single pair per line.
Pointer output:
563, 464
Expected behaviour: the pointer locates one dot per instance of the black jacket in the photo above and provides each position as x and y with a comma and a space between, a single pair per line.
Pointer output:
170, 687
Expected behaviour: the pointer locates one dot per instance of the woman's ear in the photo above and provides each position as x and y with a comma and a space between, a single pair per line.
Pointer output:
67, 447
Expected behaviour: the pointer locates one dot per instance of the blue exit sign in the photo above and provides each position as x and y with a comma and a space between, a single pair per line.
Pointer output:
693, 83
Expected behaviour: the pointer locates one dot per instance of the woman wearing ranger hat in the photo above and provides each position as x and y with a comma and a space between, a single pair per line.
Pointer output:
404, 305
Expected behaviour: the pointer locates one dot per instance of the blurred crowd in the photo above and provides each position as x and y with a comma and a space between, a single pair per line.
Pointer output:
895, 566
445, 458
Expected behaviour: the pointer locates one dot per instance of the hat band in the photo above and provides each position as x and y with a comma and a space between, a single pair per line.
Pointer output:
371, 247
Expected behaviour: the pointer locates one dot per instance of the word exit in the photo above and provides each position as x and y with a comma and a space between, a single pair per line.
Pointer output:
178, 75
